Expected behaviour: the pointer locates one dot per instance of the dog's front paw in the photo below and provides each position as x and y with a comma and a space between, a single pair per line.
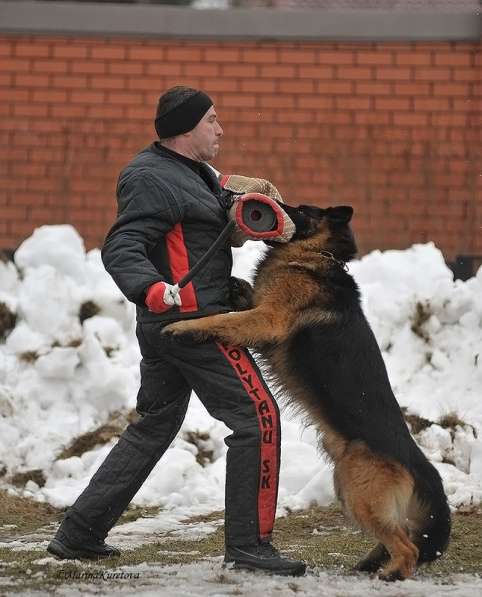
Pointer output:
184, 329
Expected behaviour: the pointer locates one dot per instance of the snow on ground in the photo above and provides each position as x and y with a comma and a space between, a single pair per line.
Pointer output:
208, 579
60, 378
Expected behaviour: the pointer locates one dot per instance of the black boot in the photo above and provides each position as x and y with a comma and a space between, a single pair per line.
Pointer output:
88, 549
263, 556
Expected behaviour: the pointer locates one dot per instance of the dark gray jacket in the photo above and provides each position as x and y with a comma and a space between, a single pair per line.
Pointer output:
168, 217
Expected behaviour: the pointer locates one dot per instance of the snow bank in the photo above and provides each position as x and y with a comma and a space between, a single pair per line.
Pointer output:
71, 361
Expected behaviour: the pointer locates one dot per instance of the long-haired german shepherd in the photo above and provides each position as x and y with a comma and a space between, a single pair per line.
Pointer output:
307, 322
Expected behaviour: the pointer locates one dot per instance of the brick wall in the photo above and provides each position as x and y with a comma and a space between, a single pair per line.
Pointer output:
391, 128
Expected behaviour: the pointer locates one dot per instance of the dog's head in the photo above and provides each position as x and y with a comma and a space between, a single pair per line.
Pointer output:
327, 228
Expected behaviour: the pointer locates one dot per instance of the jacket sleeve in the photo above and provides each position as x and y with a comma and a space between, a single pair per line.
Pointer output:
147, 211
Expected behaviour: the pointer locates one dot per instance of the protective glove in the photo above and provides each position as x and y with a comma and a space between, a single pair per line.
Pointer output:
162, 296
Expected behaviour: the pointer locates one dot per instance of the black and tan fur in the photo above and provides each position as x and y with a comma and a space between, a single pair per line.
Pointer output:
306, 321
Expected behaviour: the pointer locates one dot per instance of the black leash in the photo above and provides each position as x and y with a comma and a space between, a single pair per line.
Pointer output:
226, 231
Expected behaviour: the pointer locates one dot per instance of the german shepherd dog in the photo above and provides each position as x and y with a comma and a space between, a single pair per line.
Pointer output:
306, 321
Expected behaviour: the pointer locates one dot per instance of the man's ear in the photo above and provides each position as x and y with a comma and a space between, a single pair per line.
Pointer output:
339, 215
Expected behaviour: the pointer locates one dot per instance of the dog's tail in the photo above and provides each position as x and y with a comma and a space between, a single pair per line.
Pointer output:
429, 510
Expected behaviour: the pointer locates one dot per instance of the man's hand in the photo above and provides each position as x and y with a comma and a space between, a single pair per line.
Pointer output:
162, 296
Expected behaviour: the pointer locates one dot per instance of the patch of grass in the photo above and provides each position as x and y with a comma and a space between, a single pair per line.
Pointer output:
26, 514
199, 439
100, 436
88, 309
29, 356
133, 513
419, 318
321, 536
36, 475
8, 319
417, 423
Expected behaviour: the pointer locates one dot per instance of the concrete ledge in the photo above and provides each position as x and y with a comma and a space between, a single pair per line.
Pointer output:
263, 24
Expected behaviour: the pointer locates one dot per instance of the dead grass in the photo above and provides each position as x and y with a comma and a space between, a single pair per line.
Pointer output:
8, 320
100, 436
27, 515
321, 536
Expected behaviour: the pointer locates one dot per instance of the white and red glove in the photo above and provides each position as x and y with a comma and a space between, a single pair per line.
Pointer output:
162, 296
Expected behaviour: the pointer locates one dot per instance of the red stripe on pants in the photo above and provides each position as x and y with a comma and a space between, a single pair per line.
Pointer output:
268, 426
179, 264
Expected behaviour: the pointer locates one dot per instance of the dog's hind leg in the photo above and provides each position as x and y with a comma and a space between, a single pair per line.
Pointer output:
374, 559
376, 494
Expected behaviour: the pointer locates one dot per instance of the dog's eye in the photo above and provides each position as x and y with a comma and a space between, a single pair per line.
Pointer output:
312, 211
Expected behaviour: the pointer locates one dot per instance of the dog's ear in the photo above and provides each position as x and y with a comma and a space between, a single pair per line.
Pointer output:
339, 215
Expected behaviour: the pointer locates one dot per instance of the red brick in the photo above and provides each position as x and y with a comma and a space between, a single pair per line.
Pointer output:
335, 87
32, 50
146, 53
373, 88
237, 100
219, 55
278, 71
127, 67
452, 59
315, 72
69, 51
52, 96
353, 103
52, 65
374, 58
466, 74
297, 87
184, 54
68, 111
449, 119
87, 97
393, 103
410, 119
262, 55
414, 58
354, 72
124, 98
338, 57
254, 86
6, 47
140, 113
432, 74
399, 73
277, 101
106, 111
69, 81
451, 89
88, 67
298, 56
221, 84
97, 82
244, 70
200, 70
413, 88
108, 52
315, 102
160, 69
30, 110
14, 95
372, 118
14, 65
431, 104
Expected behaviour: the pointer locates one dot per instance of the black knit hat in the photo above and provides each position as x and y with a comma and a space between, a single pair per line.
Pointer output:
179, 110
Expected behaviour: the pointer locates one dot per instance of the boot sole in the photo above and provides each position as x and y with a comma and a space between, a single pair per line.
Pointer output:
66, 553
295, 571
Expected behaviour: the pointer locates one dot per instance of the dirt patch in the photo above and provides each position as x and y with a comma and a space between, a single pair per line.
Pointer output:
35, 475
88, 309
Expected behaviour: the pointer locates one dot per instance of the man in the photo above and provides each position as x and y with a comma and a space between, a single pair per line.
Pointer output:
171, 209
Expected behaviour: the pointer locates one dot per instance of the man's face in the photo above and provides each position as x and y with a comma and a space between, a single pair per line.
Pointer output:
205, 136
